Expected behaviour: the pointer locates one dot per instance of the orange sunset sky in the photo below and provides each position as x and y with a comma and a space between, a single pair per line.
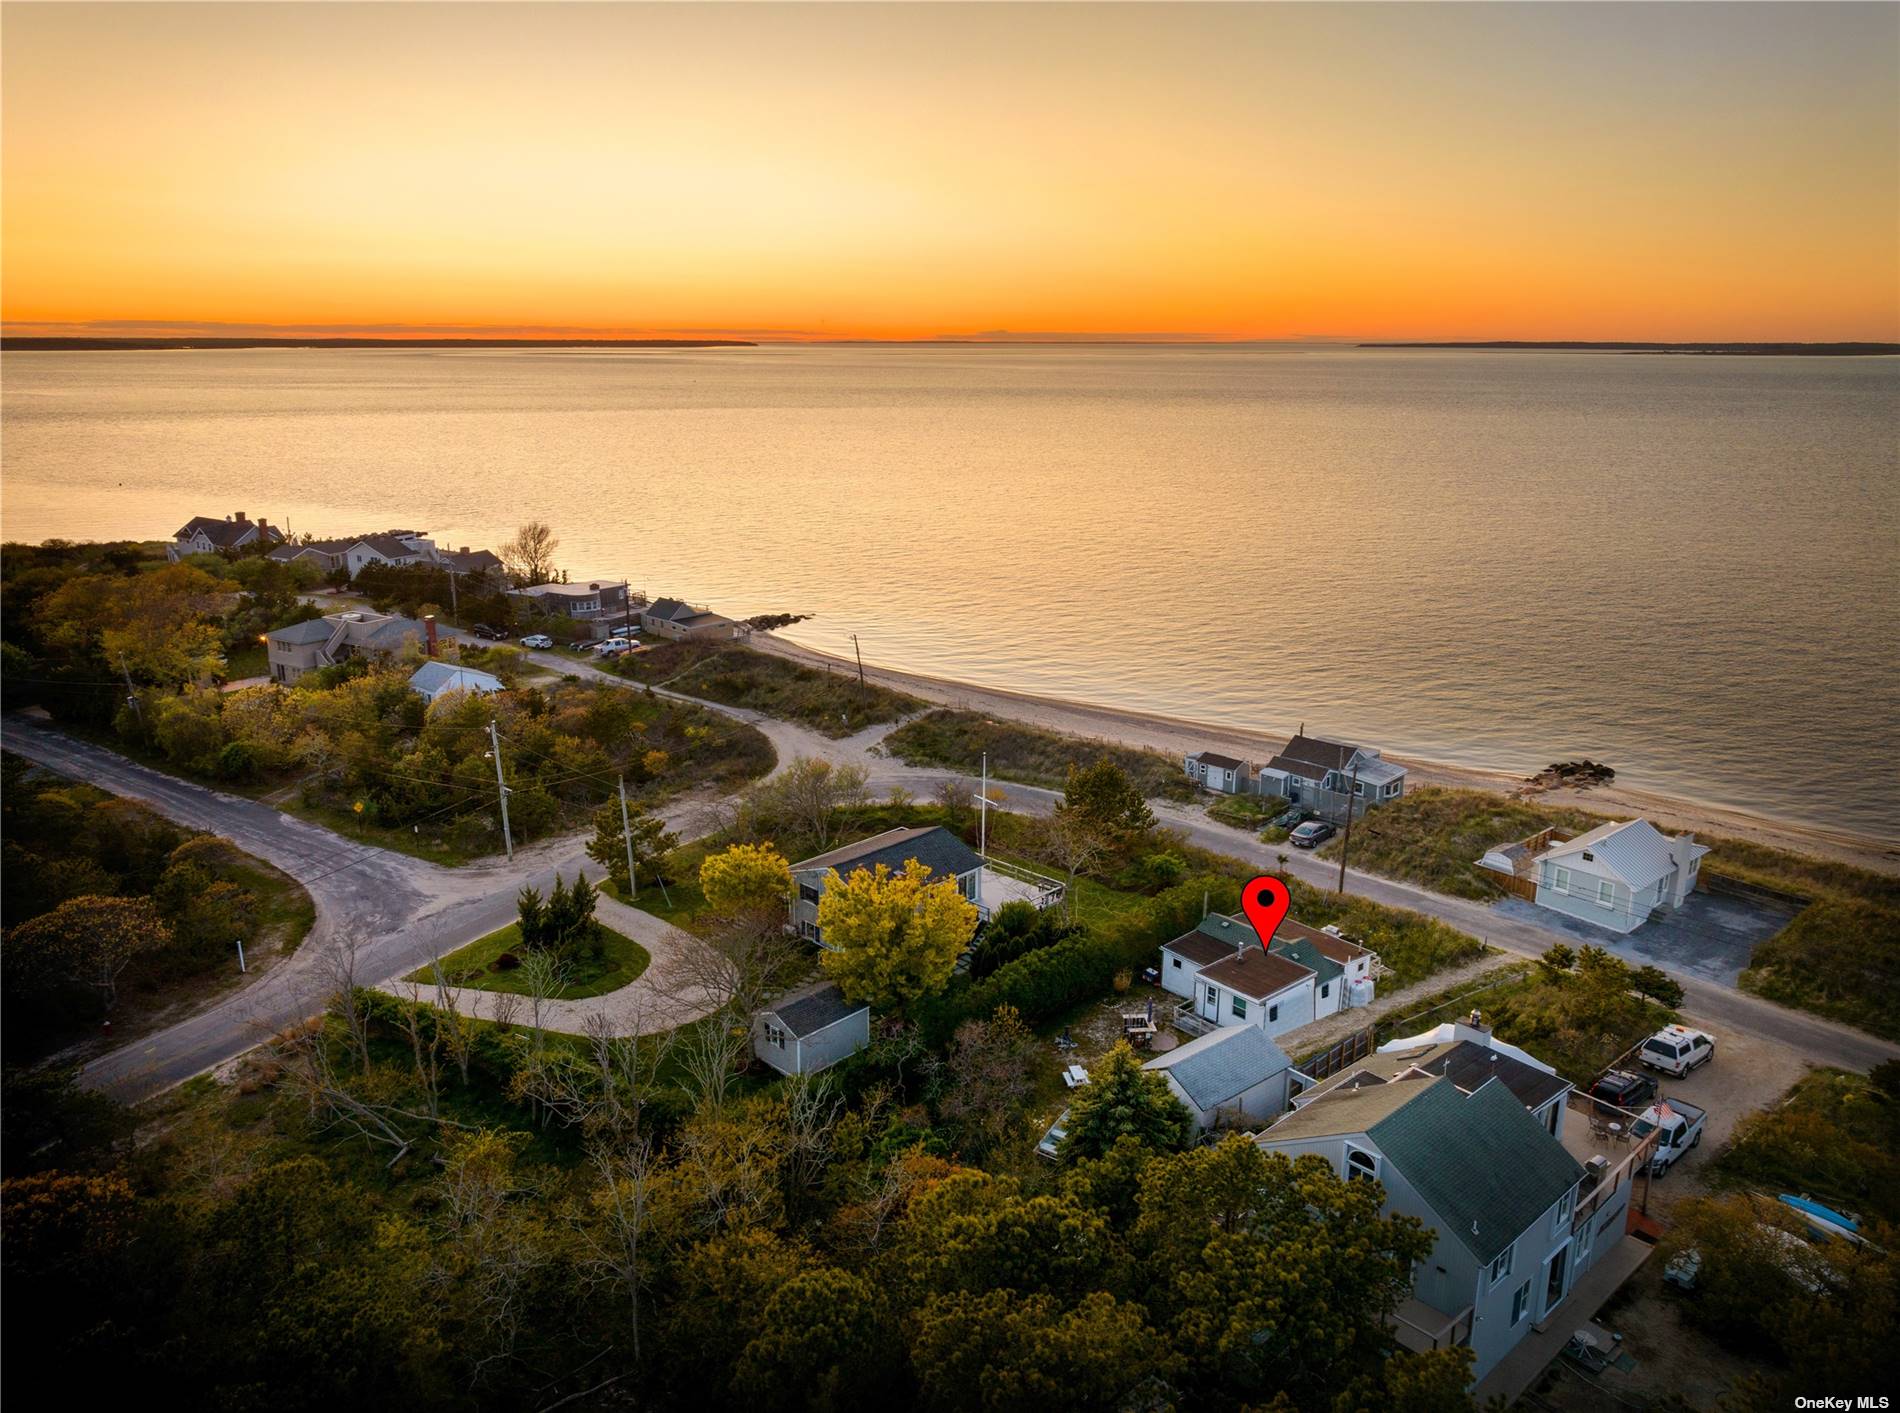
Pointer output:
1512, 171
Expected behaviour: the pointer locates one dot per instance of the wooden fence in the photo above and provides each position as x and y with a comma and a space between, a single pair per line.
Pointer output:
1335, 1058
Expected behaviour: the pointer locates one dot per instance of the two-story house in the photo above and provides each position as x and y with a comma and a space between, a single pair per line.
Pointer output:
1328, 778
1618, 874
1517, 1217
204, 534
337, 637
1222, 774
988, 885
600, 606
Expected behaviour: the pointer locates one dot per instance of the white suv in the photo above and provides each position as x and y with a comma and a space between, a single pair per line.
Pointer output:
1675, 1049
612, 645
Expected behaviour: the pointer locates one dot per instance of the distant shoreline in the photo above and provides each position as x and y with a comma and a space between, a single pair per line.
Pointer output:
35, 344
1757, 350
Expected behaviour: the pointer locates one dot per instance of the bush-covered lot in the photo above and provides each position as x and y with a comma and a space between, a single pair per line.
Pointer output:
828, 702
1027, 754
111, 911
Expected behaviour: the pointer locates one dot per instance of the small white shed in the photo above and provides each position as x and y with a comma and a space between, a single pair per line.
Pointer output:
811, 1030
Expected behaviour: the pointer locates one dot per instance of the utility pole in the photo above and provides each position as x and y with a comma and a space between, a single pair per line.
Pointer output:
455, 608
626, 832
131, 693
1352, 796
507, 836
983, 828
860, 653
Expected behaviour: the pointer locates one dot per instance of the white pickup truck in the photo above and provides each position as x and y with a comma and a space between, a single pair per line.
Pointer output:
1679, 1125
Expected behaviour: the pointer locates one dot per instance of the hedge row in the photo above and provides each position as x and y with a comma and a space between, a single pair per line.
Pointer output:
1048, 982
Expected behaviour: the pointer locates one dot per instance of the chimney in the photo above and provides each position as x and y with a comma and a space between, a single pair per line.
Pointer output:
428, 631
238, 516
464, 549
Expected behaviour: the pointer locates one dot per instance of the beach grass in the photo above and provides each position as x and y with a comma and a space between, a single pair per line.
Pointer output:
1028, 755
831, 703
477, 966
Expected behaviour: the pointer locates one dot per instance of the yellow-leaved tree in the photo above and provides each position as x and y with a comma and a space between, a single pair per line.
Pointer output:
893, 937
745, 878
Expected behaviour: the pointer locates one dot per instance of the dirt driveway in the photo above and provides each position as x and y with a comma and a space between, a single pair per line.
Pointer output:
1666, 1355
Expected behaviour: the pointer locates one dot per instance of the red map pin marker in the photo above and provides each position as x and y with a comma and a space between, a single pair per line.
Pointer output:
1265, 900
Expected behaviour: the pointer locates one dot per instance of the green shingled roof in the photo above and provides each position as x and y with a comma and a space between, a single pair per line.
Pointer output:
1307, 955
1484, 1165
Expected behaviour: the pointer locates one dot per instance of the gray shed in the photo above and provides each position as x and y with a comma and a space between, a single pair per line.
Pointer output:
811, 1030
1234, 1075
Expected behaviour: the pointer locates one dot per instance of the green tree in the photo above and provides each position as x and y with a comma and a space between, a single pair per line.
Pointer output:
1281, 1274
1557, 960
652, 842
1105, 797
745, 878
1658, 985
1121, 1100
976, 1232
819, 1346
995, 1350
88, 940
893, 937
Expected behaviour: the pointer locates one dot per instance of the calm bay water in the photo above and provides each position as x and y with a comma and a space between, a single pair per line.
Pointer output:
1683, 566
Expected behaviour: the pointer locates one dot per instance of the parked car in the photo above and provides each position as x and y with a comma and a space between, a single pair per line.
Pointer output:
1679, 1124
494, 635
611, 647
537, 640
1676, 1049
1288, 819
1625, 1089
1312, 834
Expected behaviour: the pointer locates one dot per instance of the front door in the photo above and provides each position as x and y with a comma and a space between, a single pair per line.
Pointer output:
1556, 1273
1210, 1003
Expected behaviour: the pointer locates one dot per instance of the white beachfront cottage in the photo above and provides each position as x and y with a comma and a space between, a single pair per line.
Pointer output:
1618, 874
1220, 970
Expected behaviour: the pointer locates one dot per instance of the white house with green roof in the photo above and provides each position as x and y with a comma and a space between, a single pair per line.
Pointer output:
1518, 1218
1225, 978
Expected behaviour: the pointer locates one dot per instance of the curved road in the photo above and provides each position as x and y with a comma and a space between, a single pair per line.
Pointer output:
401, 911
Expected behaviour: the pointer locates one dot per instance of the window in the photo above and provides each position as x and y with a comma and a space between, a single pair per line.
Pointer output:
1361, 1166
1273, 1013
1564, 1207
774, 1036
1359, 787
1392, 790
1589, 857
1325, 990
1561, 882
1501, 1267
807, 892
1606, 893
1177, 964
1239, 1009
1521, 1303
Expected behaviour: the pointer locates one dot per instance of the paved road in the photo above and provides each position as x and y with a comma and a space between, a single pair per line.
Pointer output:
404, 910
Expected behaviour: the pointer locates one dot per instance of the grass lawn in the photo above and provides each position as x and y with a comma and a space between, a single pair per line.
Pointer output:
687, 904
251, 660
621, 961
1027, 754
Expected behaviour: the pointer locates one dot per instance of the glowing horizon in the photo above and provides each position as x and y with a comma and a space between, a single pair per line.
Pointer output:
1670, 173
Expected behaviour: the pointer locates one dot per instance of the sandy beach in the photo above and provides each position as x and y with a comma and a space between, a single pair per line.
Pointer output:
1176, 737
